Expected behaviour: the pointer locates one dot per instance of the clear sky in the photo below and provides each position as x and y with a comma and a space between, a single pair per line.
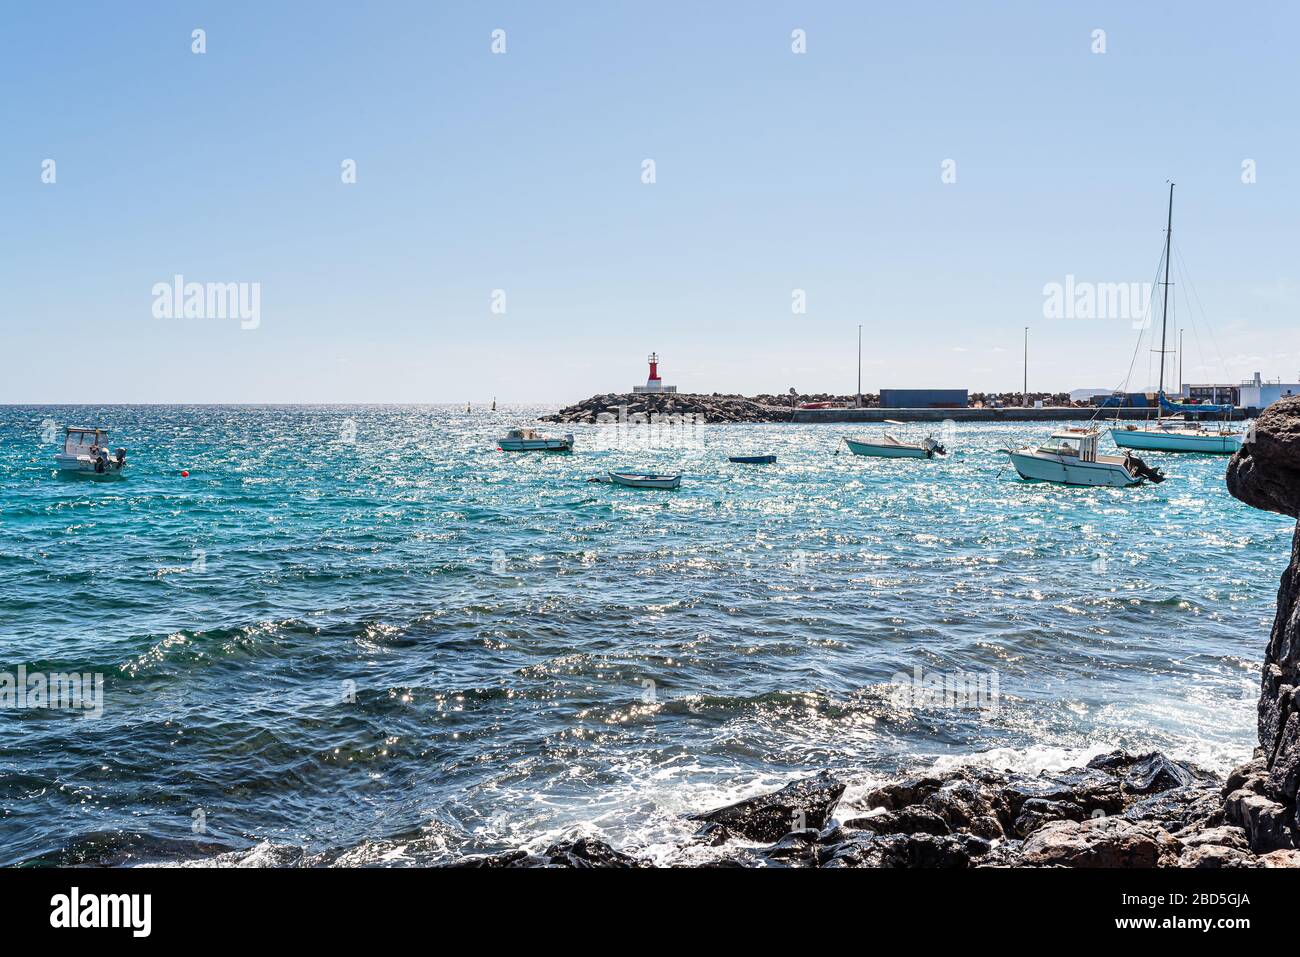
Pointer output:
523, 172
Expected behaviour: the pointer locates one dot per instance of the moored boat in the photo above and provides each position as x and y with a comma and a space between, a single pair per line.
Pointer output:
645, 480
84, 454
1172, 436
752, 459
1070, 457
889, 447
530, 440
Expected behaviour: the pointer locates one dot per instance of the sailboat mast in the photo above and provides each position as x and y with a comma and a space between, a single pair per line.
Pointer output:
1164, 316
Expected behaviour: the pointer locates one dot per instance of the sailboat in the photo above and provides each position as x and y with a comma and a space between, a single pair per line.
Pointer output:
1171, 434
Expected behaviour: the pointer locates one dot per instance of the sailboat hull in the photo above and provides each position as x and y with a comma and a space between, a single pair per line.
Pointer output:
1174, 440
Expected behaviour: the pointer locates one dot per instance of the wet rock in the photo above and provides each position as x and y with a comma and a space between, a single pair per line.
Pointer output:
1100, 842
800, 849
1001, 854
581, 853
908, 820
1268, 824
713, 835
1036, 812
768, 817
1149, 773
903, 851
970, 806
905, 793
1180, 808
585, 852
508, 859
1089, 789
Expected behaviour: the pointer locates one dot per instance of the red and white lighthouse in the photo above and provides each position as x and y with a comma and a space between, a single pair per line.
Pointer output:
654, 383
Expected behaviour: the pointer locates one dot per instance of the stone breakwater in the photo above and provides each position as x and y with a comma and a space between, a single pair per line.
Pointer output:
1119, 810
613, 407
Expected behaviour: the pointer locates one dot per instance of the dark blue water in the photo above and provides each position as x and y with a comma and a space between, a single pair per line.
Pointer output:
364, 635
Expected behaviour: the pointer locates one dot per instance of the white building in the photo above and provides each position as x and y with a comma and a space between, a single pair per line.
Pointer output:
1257, 394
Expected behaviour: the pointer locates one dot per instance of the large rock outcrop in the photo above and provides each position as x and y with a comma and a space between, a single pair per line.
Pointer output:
1265, 473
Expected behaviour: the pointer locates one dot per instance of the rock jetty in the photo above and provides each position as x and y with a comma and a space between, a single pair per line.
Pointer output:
1119, 810
712, 408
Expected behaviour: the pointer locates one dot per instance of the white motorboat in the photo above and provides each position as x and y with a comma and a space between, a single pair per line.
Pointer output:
888, 447
1070, 457
530, 440
85, 454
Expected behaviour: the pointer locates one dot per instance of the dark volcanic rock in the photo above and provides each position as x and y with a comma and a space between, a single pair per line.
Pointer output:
768, 817
1180, 808
1268, 823
583, 852
908, 820
1265, 472
902, 850
1059, 794
970, 806
1036, 812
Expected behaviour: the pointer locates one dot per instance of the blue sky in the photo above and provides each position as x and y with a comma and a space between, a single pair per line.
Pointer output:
523, 172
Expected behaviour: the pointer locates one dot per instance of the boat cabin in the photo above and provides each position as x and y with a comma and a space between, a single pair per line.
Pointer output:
1080, 443
523, 434
77, 442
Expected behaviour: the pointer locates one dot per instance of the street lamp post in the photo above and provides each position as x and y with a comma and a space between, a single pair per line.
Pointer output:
1025, 391
859, 365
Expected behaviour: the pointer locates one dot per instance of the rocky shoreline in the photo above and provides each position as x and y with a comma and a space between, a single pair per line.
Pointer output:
1119, 810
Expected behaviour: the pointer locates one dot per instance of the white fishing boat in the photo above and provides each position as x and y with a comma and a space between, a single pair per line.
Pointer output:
888, 447
1168, 433
85, 454
1070, 457
530, 440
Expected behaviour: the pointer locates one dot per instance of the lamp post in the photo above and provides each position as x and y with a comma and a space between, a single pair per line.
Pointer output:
1025, 391
859, 365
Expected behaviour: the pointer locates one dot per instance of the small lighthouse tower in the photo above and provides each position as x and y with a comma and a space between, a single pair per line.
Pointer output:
654, 383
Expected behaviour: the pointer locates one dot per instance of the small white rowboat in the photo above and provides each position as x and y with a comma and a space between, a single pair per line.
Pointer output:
640, 480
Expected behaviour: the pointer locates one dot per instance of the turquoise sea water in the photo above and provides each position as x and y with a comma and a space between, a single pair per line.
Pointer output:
364, 635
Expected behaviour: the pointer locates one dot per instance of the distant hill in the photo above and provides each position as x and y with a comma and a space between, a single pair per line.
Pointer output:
1082, 395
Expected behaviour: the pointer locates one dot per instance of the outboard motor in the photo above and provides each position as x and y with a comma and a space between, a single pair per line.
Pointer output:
933, 448
1154, 475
